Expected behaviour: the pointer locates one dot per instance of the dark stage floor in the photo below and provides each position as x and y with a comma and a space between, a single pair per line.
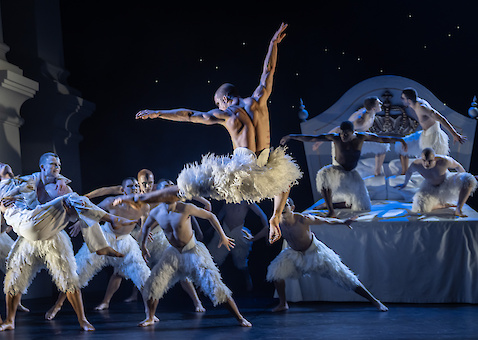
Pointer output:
302, 321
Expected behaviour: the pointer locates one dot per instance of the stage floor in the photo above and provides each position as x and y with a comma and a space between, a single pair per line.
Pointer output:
302, 321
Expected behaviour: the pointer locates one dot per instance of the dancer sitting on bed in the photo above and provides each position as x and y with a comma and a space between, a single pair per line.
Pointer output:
306, 254
342, 183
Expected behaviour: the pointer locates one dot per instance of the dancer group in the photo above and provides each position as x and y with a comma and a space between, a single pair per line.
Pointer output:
149, 234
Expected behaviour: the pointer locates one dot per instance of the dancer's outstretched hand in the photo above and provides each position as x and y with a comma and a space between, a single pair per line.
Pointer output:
284, 140
145, 252
247, 235
279, 34
227, 242
75, 228
400, 186
145, 114
459, 138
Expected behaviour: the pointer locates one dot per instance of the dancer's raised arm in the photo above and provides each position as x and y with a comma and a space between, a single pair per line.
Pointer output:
264, 90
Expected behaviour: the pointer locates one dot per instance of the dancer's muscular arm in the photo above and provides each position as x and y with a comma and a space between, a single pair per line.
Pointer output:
308, 138
214, 116
447, 125
453, 164
411, 169
192, 210
264, 90
381, 139
309, 219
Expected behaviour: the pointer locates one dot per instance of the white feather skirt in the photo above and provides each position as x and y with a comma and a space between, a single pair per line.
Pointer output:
429, 196
346, 186
195, 263
238, 177
27, 258
132, 266
317, 259
434, 137
157, 246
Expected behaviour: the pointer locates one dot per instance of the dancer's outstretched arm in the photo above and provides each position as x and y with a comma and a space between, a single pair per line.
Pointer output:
215, 116
307, 138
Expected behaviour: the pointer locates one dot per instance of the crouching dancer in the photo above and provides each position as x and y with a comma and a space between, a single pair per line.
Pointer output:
306, 254
186, 258
440, 186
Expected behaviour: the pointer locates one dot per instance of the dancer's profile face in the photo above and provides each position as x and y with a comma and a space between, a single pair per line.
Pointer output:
378, 106
131, 187
405, 100
51, 167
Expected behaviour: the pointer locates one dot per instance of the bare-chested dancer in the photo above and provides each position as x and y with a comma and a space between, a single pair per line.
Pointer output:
440, 186
247, 122
232, 217
156, 243
186, 257
431, 135
363, 120
306, 254
342, 183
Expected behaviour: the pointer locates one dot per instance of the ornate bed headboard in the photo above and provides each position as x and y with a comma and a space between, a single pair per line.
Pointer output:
394, 120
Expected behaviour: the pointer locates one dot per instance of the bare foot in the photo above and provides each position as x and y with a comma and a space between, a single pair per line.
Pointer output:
380, 306
459, 213
320, 207
199, 308
86, 326
7, 326
132, 298
22, 308
244, 323
280, 307
147, 322
102, 306
50, 315
108, 251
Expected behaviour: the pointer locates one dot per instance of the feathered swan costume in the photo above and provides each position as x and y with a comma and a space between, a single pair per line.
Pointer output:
240, 177
193, 261
346, 186
429, 196
27, 258
318, 258
132, 266
42, 243
434, 137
